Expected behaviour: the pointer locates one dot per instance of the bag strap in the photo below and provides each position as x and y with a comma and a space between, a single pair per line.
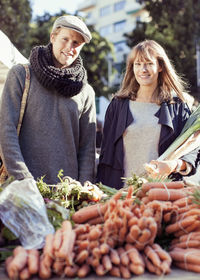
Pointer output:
3, 171
24, 97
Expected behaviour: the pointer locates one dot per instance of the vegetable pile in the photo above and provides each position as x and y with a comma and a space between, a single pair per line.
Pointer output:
126, 239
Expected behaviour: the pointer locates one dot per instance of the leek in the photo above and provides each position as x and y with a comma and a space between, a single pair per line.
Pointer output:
191, 126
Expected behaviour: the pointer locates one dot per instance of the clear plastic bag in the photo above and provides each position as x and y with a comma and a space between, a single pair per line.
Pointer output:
23, 211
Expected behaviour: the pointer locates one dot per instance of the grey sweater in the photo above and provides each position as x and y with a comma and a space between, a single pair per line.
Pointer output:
57, 132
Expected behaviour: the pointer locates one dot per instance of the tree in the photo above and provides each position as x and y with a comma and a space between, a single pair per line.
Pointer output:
15, 16
95, 57
175, 25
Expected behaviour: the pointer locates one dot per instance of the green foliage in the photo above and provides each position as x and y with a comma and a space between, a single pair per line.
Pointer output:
15, 16
95, 60
175, 25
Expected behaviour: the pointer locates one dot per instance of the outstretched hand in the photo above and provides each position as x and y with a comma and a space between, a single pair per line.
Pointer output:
161, 168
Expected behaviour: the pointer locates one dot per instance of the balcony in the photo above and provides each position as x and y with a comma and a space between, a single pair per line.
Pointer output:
86, 5
132, 8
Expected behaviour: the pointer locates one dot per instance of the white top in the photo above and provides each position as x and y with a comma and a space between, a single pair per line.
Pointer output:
141, 138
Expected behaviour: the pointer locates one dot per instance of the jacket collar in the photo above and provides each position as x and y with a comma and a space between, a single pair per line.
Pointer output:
165, 115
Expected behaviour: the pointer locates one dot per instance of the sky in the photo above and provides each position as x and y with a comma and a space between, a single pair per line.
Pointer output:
39, 7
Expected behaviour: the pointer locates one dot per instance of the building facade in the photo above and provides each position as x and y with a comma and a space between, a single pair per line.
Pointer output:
112, 19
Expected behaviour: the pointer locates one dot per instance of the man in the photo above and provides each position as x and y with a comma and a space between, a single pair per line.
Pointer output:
58, 129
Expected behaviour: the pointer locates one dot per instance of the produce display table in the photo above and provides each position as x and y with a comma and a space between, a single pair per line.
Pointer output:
175, 274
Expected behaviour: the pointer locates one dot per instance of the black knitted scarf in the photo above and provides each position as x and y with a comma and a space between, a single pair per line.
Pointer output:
67, 81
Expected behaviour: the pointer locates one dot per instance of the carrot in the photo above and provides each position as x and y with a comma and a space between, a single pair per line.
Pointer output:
83, 270
95, 233
82, 237
122, 233
163, 255
69, 256
185, 209
44, 271
115, 271
66, 245
126, 212
71, 271
82, 245
142, 223
7, 265
185, 255
190, 236
58, 266
132, 221
182, 202
133, 254
96, 252
191, 228
57, 240
24, 274
81, 229
165, 195
162, 185
33, 261
94, 261
149, 265
133, 234
104, 248
125, 273
95, 221
106, 262
124, 259
100, 270
81, 257
93, 244
180, 224
87, 213
18, 262
114, 257
152, 256
190, 212
188, 244
136, 268
153, 229
188, 266
143, 239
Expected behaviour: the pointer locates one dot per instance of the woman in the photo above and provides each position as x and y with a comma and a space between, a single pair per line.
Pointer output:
144, 118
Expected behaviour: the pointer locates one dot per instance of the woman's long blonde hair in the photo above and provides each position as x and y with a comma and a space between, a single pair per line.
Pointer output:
169, 82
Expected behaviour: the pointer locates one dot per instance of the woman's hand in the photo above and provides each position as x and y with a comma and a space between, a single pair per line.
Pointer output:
161, 168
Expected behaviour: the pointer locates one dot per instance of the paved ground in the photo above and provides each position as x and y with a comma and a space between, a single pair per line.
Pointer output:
176, 274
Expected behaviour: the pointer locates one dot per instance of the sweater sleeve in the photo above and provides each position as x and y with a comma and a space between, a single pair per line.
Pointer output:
10, 103
87, 140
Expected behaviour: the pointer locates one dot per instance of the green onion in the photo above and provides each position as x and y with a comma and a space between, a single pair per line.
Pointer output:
191, 126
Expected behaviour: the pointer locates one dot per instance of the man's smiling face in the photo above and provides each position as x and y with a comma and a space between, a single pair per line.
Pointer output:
67, 45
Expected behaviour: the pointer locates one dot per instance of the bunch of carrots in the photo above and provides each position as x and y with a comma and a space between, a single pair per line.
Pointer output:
117, 237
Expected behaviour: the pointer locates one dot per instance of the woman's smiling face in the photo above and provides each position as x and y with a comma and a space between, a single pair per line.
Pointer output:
67, 45
146, 71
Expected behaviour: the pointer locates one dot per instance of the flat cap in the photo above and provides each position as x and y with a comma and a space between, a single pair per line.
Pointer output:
75, 23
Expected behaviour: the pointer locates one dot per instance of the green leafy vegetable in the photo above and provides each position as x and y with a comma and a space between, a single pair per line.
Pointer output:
191, 126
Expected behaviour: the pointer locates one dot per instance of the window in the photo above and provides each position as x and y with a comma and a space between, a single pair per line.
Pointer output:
119, 6
119, 26
89, 15
120, 46
105, 30
105, 11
